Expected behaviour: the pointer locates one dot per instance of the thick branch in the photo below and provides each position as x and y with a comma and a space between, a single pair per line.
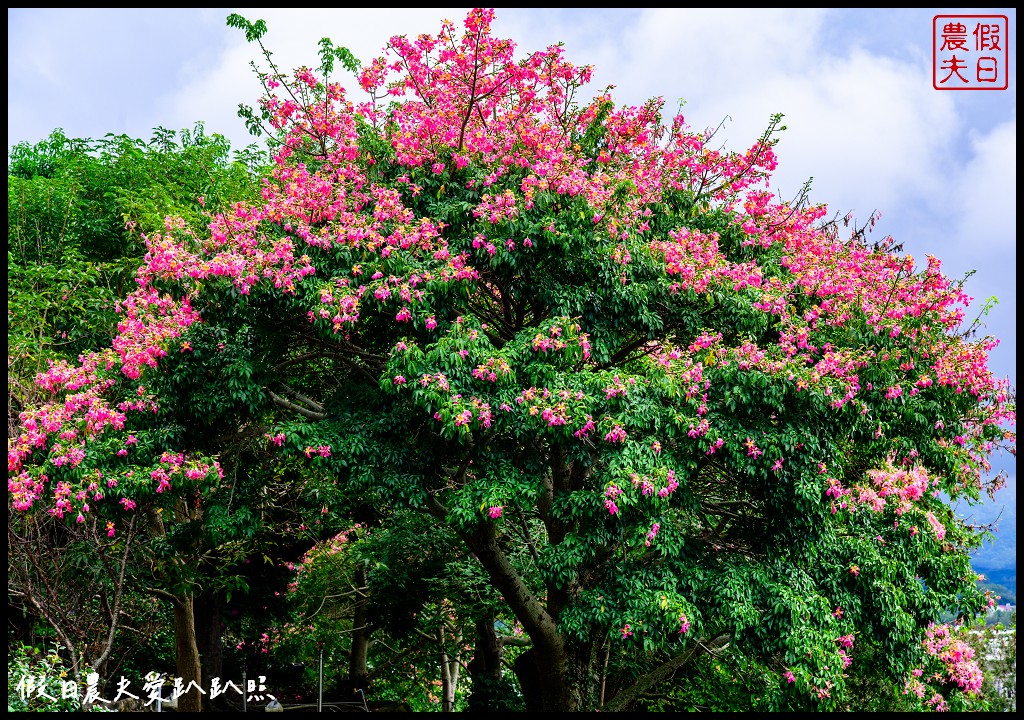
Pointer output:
537, 622
628, 696
517, 641
281, 402
302, 398
174, 599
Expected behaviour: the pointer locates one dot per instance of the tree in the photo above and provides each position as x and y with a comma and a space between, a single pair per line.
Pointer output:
75, 211
73, 577
666, 414
392, 598
75, 208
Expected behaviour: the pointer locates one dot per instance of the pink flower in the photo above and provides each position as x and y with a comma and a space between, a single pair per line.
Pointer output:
684, 624
790, 677
626, 631
431, 323
937, 527
110, 529
494, 512
752, 449
854, 570
616, 434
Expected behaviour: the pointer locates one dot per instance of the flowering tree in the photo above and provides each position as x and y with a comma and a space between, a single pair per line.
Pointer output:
75, 211
664, 411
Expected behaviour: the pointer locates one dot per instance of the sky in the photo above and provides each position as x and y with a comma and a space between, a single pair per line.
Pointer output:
855, 85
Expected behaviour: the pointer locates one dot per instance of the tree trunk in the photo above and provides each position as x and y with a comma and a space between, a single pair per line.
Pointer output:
529, 681
552, 675
568, 681
187, 654
449, 671
485, 669
486, 662
210, 637
358, 674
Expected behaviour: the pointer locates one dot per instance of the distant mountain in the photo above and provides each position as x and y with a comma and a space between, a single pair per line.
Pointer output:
997, 558
1006, 577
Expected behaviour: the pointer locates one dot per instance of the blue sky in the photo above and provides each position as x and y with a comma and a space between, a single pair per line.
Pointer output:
855, 86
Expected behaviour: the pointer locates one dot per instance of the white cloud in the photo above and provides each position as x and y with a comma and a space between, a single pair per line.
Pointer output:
869, 128
213, 93
986, 195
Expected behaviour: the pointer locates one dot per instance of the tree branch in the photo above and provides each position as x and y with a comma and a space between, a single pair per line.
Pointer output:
281, 402
628, 696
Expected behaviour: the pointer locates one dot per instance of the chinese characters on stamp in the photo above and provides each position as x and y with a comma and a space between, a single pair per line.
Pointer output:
970, 52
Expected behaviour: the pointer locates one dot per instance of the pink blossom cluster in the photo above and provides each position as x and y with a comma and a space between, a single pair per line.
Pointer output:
490, 370
905, 488
610, 493
616, 388
462, 412
692, 258
955, 660
651, 534
497, 208
585, 429
752, 449
616, 435
555, 408
82, 414
150, 322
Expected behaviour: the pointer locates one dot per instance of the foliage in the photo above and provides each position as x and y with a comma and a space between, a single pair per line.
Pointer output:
402, 586
74, 211
661, 412
34, 681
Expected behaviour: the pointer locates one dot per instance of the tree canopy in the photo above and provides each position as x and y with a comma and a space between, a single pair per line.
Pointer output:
659, 414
